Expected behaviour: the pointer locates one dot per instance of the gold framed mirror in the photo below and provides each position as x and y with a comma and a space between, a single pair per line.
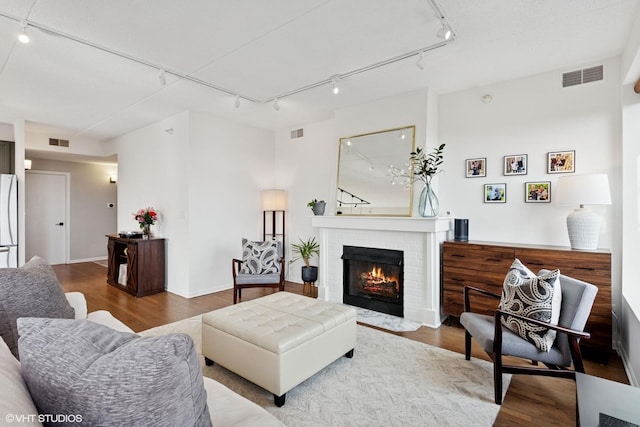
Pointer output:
366, 186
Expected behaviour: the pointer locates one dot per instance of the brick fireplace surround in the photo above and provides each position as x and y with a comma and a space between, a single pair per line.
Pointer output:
419, 238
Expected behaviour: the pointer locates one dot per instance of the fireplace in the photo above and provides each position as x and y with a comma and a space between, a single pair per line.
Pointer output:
373, 279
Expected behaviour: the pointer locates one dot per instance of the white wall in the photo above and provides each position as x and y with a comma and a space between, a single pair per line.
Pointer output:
153, 170
307, 167
631, 236
533, 116
204, 177
6, 132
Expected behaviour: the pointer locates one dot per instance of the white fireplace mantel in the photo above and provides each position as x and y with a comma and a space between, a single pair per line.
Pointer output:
420, 240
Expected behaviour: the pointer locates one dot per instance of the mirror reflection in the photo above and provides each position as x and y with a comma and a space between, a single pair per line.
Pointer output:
366, 185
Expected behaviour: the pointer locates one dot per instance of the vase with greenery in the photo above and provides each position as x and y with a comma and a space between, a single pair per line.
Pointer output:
305, 250
424, 166
317, 206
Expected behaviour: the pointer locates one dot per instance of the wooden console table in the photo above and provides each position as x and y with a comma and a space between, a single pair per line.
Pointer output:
144, 259
485, 264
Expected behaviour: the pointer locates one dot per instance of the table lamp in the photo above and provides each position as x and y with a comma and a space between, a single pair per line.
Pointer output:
583, 224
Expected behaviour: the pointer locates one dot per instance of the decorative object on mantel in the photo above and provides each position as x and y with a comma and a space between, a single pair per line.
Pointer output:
423, 167
146, 218
317, 206
304, 251
583, 225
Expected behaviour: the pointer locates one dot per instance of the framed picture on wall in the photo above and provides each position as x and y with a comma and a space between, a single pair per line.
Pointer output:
537, 192
515, 164
495, 193
476, 167
561, 161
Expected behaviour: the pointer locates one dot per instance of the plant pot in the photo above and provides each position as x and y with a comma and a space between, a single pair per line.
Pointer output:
309, 274
318, 208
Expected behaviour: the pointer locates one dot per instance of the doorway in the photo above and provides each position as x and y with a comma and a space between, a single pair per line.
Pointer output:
46, 216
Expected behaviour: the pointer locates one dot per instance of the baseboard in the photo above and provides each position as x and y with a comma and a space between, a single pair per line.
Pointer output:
633, 380
94, 259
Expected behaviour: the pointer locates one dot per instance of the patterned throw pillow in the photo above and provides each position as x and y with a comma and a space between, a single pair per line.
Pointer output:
260, 257
536, 297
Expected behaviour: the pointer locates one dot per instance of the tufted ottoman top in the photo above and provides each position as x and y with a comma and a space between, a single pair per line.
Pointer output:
280, 321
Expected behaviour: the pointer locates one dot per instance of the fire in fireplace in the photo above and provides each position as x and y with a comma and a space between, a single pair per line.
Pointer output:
372, 279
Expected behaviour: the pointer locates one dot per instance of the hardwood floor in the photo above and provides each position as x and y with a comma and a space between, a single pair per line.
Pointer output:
530, 400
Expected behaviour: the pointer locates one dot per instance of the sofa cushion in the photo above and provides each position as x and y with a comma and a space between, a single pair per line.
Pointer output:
110, 377
29, 291
15, 400
535, 297
260, 257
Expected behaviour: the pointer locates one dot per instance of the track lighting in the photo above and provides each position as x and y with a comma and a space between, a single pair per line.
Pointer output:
420, 63
444, 32
336, 89
163, 78
275, 104
237, 103
24, 37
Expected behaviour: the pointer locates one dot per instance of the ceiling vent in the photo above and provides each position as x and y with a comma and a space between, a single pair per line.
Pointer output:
297, 133
59, 142
586, 75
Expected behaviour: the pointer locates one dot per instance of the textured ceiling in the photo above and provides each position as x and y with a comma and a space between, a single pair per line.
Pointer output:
262, 49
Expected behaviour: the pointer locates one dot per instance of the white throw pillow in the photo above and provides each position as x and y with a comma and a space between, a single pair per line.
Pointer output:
536, 297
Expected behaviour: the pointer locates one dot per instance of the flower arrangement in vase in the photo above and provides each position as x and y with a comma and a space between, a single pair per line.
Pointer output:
146, 218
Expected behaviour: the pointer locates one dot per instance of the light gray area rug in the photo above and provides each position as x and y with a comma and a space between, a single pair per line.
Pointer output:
390, 381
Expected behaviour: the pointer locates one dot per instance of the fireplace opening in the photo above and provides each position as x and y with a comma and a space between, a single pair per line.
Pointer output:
373, 279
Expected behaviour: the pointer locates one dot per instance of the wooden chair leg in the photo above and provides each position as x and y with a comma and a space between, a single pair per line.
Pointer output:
497, 378
467, 345
235, 295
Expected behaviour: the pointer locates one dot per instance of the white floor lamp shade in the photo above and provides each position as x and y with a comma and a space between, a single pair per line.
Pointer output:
583, 225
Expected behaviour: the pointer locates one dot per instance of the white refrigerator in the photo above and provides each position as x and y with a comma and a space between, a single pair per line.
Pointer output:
8, 221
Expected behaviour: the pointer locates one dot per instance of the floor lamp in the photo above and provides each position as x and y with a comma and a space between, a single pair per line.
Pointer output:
274, 204
583, 225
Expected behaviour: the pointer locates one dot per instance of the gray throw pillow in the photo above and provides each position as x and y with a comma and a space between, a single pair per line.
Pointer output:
29, 291
260, 257
112, 378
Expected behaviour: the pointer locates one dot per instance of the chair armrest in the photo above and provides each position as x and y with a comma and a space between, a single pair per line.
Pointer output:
79, 304
568, 331
467, 289
236, 264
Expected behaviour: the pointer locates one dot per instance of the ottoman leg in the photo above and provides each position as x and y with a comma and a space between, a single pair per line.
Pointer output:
349, 354
208, 361
279, 400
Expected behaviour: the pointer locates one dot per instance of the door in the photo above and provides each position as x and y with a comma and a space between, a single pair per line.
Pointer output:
46, 216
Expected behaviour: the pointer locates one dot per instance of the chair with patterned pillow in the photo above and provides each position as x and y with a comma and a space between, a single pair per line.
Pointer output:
525, 328
262, 266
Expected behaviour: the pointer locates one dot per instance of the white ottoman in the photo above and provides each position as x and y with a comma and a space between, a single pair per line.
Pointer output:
279, 340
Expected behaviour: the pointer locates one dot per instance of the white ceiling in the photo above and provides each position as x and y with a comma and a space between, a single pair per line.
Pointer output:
262, 49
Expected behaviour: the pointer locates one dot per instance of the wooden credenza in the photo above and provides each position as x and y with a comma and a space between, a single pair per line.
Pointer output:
484, 265
144, 259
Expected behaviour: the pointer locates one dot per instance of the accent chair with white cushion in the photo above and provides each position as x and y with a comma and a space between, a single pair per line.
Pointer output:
497, 339
262, 266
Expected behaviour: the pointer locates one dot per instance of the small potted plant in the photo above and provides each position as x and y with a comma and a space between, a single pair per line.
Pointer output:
305, 250
317, 206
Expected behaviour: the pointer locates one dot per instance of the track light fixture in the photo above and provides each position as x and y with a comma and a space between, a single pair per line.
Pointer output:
275, 104
334, 81
24, 37
162, 77
444, 32
420, 63
237, 103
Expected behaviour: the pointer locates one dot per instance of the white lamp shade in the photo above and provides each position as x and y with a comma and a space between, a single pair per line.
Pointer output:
273, 200
27, 164
583, 225
590, 189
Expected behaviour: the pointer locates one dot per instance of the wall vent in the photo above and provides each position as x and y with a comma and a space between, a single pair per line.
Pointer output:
297, 133
59, 142
586, 75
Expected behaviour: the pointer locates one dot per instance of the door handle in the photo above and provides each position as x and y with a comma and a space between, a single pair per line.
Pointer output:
60, 224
